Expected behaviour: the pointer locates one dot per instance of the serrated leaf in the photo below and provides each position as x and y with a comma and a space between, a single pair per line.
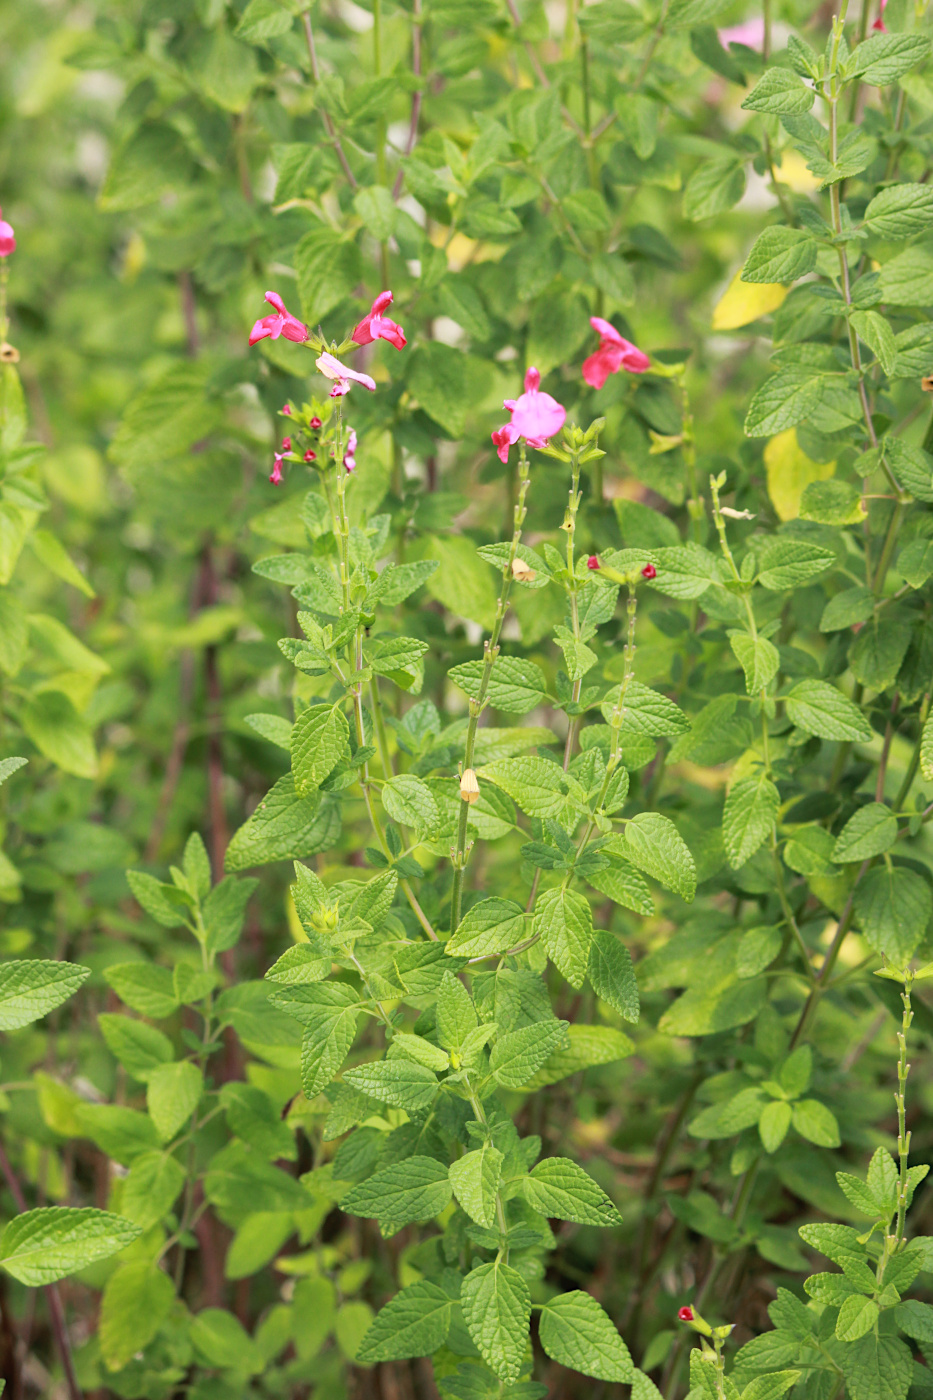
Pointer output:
748, 817
779, 92
559, 1188
819, 708
137, 1300
399, 1083
780, 255
563, 921
497, 1310
413, 1323
612, 975
654, 844
475, 1180
40, 1246
577, 1332
319, 736
31, 988
759, 659
416, 1189
172, 1094
489, 926
872, 830
518, 1055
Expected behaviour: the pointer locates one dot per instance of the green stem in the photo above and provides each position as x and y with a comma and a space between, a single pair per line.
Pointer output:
477, 705
570, 525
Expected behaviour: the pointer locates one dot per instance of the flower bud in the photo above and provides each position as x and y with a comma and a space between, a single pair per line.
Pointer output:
315, 422
593, 562
694, 1320
310, 456
286, 444
649, 572
469, 787
286, 409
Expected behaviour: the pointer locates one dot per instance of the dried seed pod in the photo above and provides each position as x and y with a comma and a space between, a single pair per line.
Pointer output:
521, 571
469, 786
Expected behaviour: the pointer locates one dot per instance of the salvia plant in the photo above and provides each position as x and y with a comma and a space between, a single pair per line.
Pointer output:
465, 870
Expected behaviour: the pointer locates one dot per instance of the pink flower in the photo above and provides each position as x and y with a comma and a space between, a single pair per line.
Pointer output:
614, 353
315, 422
349, 456
310, 456
375, 326
535, 415
286, 408
286, 444
282, 323
685, 1314
751, 33
7, 238
503, 438
331, 368
649, 572
276, 477
593, 561
879, 23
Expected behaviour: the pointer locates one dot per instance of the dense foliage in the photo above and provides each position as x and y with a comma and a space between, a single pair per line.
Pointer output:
465, 902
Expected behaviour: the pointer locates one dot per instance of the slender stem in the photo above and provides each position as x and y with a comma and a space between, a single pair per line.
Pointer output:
415, 97
327, 119
570, 525
903, 1136
477, 704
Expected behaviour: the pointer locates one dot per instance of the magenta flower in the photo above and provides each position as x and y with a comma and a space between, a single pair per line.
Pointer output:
879, 23
375, 326
331, 368
315, 422
349, 457
535, 415
286, 444
282, 323
593, 561
276, 477
503, 438
310, 456
7, 238
750, 33
286, 408
614, 353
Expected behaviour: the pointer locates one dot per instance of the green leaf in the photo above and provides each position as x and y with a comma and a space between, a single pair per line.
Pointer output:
758, 658
814, 1121
137, 1300
714, 187
832, 503
872, 830
883, 58
497, 1311
167, 904
894, 907
53, 554
143, 986
779, 92
377, 209
685, 571
172, 1094
654, 844
787, 563
518, 1055
577, 1332
413, 1323
876, 1368
912, 466
748, 817
319, 737
623, 884
489, 926
536, 784
787, 398
612, 975
455, 1013
464, 582
399, 1083
150, 1188
475, 1180
417, 1189
31, 988
221, 1340
587, 1046
328, 1011
59, 732
915, 1319
780, 254
559, 1188
223, 912
563, 921
263, 19
900, 211
40, 1246
819, 708
139, 1047
875, 331
773, 1124
410, 801
284, 826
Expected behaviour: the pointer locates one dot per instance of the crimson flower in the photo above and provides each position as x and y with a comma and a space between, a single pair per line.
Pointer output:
282, 323
614, 353
315, 422
879, 23
286, 408
503, 438
685, 1314
7, 238
286, 444
593, 562
276, 477
310, 456
375, 326
649, 571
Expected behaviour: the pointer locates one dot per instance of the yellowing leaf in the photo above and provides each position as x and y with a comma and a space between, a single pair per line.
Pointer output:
793, 171
743, 302
790, 471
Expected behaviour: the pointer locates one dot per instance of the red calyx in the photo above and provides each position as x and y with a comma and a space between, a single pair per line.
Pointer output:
593, 562
286, 444
649, 571
315, 422
310, 456
684, 1314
